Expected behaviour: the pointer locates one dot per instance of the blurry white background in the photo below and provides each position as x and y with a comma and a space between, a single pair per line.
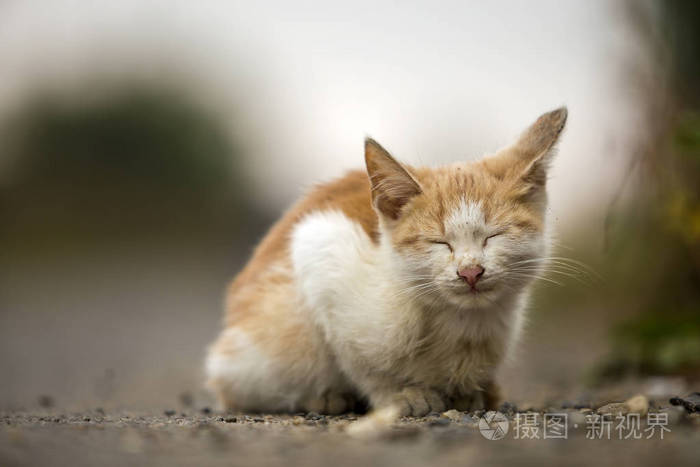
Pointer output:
434, 82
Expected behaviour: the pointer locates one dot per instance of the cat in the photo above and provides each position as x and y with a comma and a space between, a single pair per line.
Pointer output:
405, 287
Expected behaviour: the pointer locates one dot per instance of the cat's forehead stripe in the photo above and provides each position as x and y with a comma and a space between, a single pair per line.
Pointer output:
466, 214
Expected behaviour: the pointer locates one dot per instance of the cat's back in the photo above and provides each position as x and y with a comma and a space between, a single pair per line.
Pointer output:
270, 262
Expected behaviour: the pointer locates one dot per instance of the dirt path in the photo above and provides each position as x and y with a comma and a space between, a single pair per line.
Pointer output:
205, 438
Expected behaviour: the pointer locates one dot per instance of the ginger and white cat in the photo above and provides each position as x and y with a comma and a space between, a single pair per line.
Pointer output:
402, 286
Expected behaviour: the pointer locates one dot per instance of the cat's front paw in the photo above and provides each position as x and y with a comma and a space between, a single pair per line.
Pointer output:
417, 402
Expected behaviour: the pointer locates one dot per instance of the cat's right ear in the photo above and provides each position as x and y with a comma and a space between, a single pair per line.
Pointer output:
392, 186
528, 160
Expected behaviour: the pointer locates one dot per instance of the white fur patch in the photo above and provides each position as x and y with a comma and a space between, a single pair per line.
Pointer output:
467, 217
330, 255
247, 376
465, 228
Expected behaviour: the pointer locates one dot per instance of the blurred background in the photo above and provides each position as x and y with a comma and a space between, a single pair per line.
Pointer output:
146, 146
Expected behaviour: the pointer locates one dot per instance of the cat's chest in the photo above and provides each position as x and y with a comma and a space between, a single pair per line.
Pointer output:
451, 354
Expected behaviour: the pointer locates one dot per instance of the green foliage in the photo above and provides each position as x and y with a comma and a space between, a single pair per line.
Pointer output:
131, 158
660, 341
153, 136
680, 25
687, 138
657, 249
655, 259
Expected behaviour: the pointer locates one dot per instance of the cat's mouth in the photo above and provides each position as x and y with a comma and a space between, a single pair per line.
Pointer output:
466, 290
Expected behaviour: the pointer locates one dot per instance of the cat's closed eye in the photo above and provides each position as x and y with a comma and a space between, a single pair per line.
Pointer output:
442, 242
486, 240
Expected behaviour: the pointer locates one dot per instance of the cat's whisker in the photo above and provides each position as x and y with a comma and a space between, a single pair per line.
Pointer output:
415, 288
413, 278
416, 291
426, 292
565, 272
580, 276
537, 277
561, 261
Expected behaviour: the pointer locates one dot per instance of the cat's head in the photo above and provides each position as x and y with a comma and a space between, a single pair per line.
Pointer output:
468, 233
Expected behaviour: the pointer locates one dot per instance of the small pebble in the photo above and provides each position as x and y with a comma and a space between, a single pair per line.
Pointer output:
230, 419
614, 409
468, 420
691, 402
638, 404
453, 415
440, 421
169, 413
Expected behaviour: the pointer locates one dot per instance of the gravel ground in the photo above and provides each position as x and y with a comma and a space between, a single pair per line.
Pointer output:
203, 437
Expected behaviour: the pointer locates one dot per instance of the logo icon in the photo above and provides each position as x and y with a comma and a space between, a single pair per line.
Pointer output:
493, 425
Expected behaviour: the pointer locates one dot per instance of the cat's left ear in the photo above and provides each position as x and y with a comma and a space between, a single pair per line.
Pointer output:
392, 186
529, 158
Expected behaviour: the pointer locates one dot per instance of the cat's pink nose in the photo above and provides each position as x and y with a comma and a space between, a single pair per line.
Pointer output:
471, 274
